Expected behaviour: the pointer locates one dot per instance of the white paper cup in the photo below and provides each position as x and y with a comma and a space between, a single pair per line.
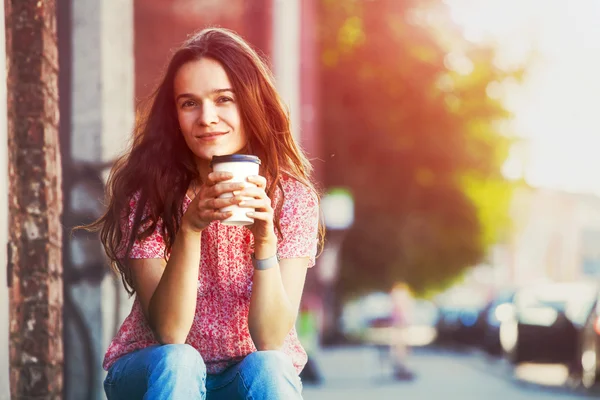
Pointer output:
241, 166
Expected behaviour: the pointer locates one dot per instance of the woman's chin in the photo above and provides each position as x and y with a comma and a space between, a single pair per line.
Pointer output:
208, 154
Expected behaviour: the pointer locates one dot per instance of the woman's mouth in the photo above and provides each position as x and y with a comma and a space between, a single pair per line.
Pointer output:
208, 136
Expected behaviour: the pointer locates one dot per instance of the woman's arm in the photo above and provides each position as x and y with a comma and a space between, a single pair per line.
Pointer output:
276, 294
276, 291
167, 290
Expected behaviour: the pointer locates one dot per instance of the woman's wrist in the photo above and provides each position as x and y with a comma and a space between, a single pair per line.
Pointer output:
265, 248
188, 229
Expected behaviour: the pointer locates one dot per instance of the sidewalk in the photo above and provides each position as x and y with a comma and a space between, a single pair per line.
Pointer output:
351, 372
358, 373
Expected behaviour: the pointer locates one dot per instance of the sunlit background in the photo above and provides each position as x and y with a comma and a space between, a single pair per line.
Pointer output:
556, 107
487, 315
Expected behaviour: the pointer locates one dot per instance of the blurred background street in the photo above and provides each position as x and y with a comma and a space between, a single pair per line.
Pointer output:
357, 373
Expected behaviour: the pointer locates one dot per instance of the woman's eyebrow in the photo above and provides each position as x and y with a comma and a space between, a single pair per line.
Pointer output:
184, 95
217, 91
214, 91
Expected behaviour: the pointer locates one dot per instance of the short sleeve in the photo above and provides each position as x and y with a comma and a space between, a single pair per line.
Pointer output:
151, 247
299, 221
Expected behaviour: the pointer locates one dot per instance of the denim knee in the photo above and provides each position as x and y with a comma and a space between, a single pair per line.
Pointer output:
272, 374
174, 357
158, 372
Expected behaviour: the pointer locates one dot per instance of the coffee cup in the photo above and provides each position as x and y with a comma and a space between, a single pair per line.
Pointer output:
241, 166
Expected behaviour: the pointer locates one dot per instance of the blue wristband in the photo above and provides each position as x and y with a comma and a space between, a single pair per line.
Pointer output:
267, 263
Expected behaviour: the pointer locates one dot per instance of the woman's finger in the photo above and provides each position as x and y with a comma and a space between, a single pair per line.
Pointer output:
252, 191
212, 215
225, 202
261, 216
215, 177
208, 204
218, 215
258, 180
222, 188
259, 204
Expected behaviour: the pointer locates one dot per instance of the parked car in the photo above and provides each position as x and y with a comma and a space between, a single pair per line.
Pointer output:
546, 323
458, 326
497, 310
460, 313
586, 367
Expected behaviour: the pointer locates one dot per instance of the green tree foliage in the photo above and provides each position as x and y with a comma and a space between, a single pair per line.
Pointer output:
411, 129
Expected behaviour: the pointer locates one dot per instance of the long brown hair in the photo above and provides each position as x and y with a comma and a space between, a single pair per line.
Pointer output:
159, 165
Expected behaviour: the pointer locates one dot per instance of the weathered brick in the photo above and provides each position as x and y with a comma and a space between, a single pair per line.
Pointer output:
36, 353
55, 238
26, 31
38, 341
35, 255
31, 68
14, 378
49, 47
37, 380
56, 325
28, 100
37, 290
29, 166
50, 104
31, 133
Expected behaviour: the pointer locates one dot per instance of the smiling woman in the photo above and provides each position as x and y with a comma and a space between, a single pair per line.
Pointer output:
215, 304
207, 111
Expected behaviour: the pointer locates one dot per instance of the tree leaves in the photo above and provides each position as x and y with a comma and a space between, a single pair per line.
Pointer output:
415, 139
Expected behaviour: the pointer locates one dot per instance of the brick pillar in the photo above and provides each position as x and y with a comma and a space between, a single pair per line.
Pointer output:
4, 310
35, 256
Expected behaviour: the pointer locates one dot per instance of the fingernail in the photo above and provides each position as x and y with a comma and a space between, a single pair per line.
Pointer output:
236, 192
250, 214
241, 203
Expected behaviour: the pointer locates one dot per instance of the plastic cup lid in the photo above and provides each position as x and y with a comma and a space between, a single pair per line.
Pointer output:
234, 158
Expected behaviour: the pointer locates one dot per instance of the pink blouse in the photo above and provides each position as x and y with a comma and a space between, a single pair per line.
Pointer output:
220, 328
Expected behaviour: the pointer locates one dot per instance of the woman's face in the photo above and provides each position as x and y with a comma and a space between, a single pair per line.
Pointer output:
207, 110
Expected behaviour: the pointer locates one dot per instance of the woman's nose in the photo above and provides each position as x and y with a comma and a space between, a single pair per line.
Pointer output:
208, 115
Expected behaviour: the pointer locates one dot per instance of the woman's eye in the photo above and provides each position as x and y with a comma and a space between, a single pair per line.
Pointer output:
188, 103
224, 99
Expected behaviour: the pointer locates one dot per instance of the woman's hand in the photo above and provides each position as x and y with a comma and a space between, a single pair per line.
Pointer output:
263, 226
205, 207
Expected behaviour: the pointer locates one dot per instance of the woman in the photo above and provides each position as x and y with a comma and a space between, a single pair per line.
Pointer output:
402, 305
215, 305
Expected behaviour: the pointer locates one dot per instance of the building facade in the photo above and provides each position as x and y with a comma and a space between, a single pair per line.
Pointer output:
555, 237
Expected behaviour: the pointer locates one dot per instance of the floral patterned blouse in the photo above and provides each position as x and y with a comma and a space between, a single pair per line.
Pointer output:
220, 328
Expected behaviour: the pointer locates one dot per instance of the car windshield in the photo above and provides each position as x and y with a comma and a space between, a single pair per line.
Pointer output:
574, 299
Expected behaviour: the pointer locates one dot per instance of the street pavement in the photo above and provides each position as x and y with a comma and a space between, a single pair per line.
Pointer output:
359, 373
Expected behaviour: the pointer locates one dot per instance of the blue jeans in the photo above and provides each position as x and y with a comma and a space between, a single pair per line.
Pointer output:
177, 371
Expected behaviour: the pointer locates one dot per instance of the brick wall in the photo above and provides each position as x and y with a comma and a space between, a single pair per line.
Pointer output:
162, 25
34, 201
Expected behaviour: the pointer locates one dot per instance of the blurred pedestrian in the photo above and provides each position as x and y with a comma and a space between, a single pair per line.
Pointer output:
402, 308
215, 304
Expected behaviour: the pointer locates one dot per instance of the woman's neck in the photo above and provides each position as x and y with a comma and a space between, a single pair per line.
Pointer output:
203, 169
